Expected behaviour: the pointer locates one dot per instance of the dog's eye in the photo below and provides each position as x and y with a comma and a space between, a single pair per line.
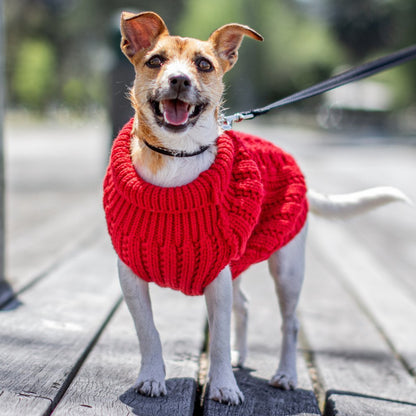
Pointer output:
155, 62
204, 65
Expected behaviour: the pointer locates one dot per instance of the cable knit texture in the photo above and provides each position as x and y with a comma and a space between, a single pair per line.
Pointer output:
249, 203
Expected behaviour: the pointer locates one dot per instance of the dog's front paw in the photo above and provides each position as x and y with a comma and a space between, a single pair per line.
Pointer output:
151, 388
151, 380
230, 395
284, 381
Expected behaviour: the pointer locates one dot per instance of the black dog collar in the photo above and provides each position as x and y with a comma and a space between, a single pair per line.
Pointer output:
175, 153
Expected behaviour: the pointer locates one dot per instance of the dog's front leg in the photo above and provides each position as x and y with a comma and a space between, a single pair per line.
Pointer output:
223, 386
151, 380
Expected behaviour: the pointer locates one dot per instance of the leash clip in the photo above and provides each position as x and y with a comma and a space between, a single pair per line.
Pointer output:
227, 121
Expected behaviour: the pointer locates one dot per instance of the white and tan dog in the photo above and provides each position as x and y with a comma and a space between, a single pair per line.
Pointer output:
177, 97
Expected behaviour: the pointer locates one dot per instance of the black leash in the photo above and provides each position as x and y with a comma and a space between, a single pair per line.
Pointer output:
354, 74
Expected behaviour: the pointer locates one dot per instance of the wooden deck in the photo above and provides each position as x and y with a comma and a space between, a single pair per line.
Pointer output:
67, 343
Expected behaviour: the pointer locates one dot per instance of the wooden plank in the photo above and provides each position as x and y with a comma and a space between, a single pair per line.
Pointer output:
357, 163
389, 234
54, 174
392, 308
45, 338
102, 387
262, 361
358, 372
55, 155
44, 243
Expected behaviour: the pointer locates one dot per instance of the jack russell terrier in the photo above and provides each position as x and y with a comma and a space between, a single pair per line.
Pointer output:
190, 207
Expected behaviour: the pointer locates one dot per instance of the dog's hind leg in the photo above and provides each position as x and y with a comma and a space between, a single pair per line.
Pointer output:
151, 380
240, 314
219, 297
287, 267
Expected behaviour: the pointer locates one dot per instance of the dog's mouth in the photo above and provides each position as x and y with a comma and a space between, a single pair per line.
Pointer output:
176, 114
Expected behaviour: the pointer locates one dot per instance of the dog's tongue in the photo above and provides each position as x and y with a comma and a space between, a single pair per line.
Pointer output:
176, 112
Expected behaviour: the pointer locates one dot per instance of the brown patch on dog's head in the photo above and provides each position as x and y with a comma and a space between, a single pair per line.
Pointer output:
172, 57
178, 88
161, 60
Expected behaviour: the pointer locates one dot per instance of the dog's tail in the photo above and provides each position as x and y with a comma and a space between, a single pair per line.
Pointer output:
348, 205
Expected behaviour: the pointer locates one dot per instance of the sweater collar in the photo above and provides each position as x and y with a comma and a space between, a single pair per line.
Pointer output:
208, 188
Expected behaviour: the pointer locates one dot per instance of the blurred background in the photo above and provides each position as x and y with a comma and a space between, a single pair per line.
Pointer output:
66, 82
63, 55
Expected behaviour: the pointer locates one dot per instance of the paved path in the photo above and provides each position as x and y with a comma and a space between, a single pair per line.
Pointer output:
67, 344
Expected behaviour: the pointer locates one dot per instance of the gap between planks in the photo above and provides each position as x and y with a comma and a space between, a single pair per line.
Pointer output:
45, 338
9, 294
81, 360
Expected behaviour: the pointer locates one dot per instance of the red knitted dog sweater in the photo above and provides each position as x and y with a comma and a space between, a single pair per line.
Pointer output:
249, 203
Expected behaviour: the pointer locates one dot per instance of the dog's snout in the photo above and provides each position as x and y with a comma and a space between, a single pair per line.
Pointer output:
180, 82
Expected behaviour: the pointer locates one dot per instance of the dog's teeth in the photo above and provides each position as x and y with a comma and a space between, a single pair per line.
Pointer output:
191, 109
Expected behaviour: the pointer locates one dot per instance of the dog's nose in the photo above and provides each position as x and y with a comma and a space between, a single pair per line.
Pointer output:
179, 82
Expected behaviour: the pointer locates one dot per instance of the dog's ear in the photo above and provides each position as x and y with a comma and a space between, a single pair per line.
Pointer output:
227, 39
140, 31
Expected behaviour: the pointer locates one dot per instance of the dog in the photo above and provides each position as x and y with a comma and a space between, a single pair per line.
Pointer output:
176, 182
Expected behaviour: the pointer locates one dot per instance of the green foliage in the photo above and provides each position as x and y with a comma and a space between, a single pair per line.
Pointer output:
53, 48
299, 50
201, 18
399, 80
78, 93
34, 75
74, 94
